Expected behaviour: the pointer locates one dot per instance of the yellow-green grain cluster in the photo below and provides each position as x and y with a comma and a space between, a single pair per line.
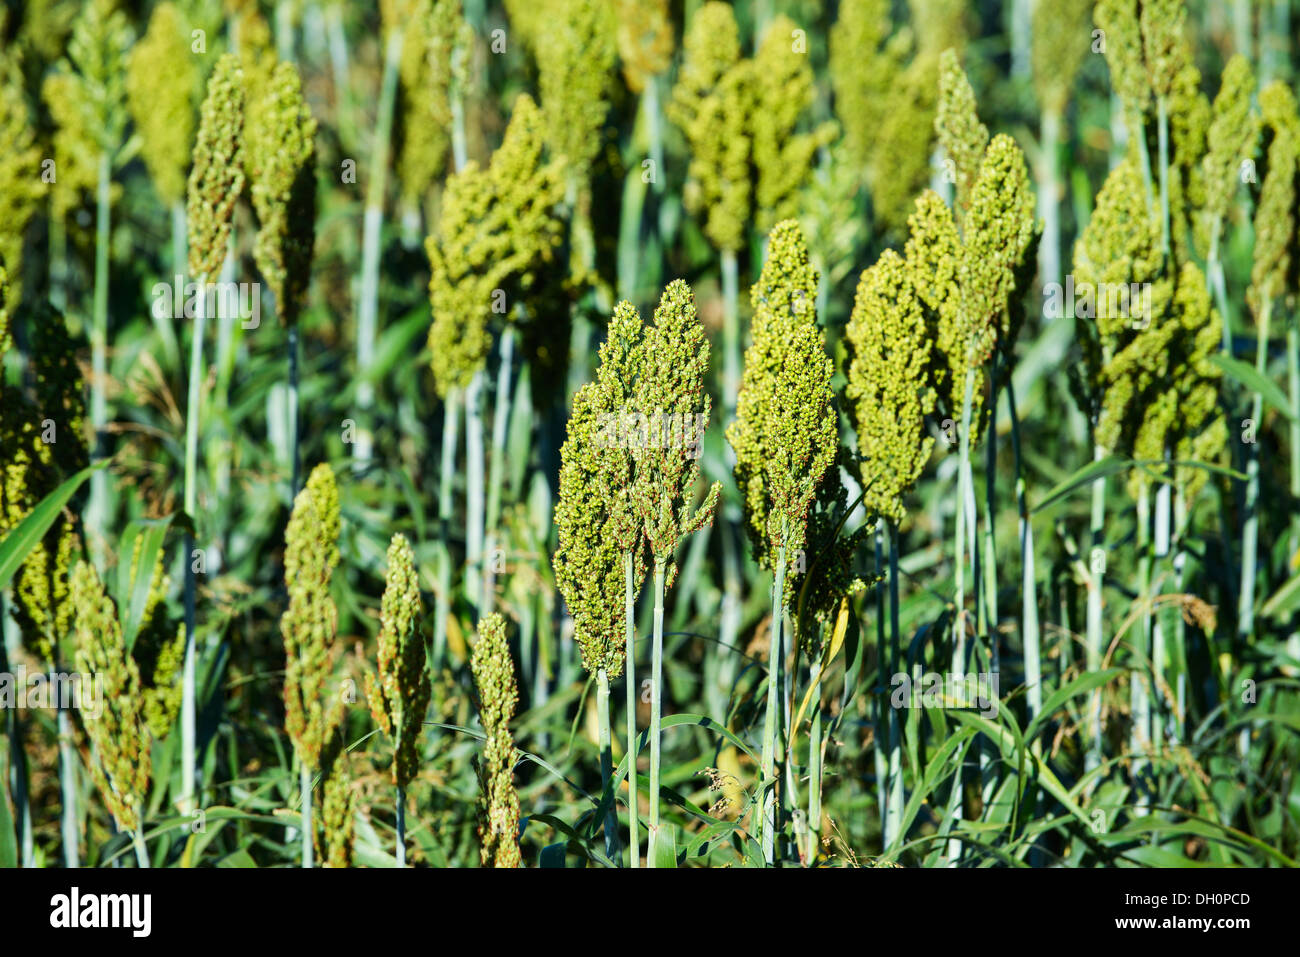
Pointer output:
310, 623
335, 827
961, 134
576, 50
281, 160
675, 361
119, 735
498, 694
711, 104
889, 390
399, 700
783, 92
595, 522
164, 112
21, 185
217, 177
784, 434
498, 230
645, 40
1230, 142
425, 73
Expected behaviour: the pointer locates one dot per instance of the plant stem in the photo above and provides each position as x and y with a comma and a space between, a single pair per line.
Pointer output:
606, 762
97, 506
767, 790
474, 513
656, 700
68, 789
1096, 582
304, 796
815, 755
1162, 134
633, 799
1293, 386
368, 304
1140, 734
1049, 250
959, 574
446, 478
894, 805
1250, 528
295, 467
730, 332
189, 765
500, 427
141, 852
401, 828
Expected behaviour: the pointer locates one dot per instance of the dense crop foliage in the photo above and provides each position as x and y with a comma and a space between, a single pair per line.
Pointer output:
604, 433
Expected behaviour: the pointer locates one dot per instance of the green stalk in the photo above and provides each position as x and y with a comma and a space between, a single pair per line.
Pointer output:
1162, 134
401, 827
141, 852
1028, 583
368, 305
656, 698
1140, 734
304, 796
606, 762
767, 792
58, 264
1293, 386
68, 790
1049, 250
446, 478
959, 574
294, 456
474, 479
500, 427
632, 750
894, 801
189, 766
730, 332
1096, 582
1250, 528
1218, 285
654, 130
815, 756
97, 507
1163, 518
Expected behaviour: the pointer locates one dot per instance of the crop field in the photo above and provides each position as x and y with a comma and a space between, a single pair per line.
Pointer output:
649, 434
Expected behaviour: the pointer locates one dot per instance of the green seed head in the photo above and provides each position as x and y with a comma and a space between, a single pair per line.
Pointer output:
670, 394
1061, 40
87, 100
711, 103
784, 434
34, 467
889, 392
1162, 23
334, 837
428, 46
863, 73
21, 186
963, 137
281, 161
496, 237
645, 40
310, 623
164, 112
400, 699
596, 525
119, 736
159, 648
217, 177
494, 676
1275, 217
576, 50
1118, 20
1231, 140
783, 91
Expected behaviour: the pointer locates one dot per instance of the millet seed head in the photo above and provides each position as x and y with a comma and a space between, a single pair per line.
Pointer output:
217, 176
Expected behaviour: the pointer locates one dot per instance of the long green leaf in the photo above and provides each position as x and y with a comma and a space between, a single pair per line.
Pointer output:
1245, 373
18, 544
